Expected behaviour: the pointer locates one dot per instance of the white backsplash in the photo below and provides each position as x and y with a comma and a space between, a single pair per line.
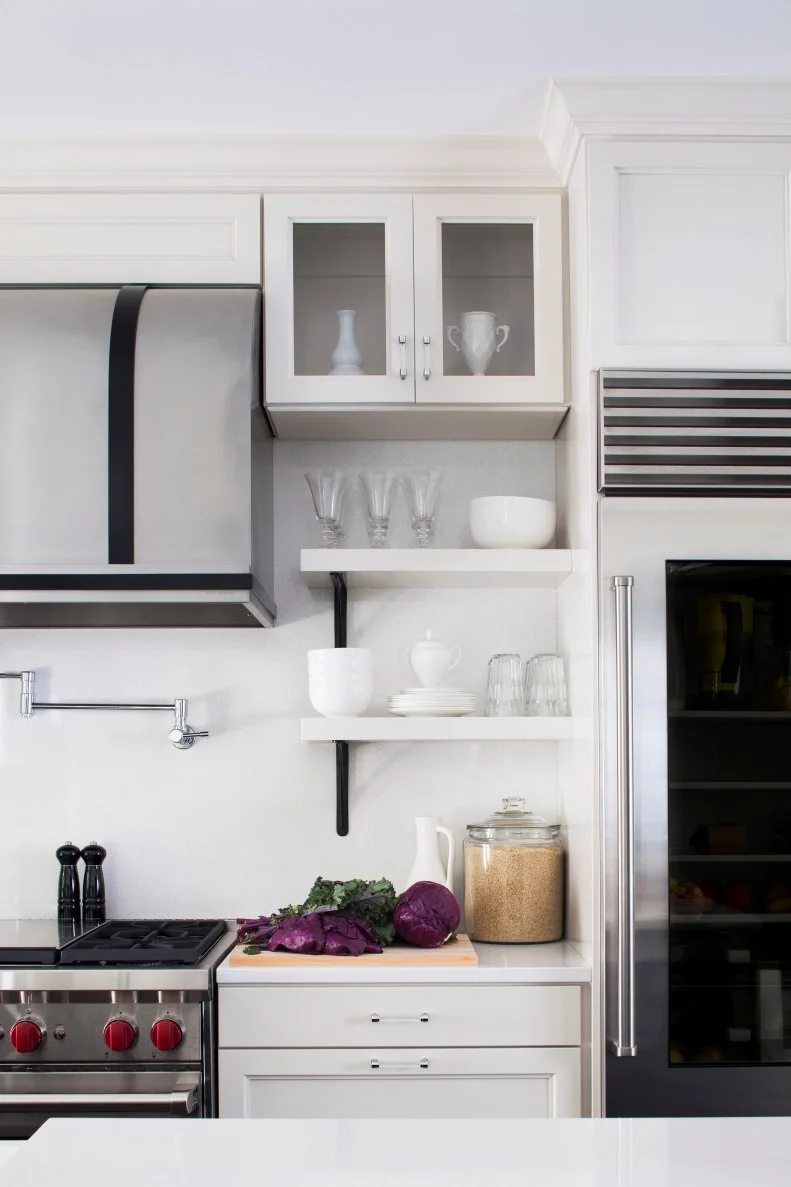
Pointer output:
245, 821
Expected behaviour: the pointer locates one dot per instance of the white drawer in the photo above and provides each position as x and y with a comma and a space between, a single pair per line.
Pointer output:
400, 1015
425, 1082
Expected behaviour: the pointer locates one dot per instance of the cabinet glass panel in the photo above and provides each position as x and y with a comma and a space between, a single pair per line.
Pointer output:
488, 295
340, 303
729, 812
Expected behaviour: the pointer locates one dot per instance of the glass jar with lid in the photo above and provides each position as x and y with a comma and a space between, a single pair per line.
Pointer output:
513, 877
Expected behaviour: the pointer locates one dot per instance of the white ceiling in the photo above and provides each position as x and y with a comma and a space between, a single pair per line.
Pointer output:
351, 67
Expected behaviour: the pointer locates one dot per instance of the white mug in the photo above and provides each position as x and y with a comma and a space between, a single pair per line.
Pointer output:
340, 680
478, 339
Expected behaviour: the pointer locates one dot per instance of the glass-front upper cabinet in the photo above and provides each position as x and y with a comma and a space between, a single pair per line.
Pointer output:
339, 299
488, 298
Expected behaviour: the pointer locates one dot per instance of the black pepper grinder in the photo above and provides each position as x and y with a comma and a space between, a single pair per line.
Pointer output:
68, 885
93, 905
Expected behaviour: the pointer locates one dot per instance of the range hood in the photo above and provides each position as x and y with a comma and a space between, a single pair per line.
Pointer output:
136, 476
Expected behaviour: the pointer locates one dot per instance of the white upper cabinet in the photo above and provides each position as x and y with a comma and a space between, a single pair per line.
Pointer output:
130, 238
339, 303
488, 298
390, 299
689, 255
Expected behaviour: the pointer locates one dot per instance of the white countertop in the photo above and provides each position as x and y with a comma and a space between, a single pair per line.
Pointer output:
502, 964
725, 1152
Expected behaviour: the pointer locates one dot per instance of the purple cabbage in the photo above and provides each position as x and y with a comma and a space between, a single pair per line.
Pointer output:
427, 915
318, 933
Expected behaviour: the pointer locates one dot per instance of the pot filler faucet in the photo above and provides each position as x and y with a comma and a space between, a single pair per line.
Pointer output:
181, 735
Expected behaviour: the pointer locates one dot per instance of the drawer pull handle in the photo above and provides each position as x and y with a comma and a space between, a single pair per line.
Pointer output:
401, 1067
377, 1018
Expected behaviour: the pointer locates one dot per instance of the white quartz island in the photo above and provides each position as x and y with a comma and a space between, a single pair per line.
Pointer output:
645, 1153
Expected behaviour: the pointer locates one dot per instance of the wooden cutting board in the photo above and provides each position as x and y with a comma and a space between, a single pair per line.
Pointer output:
398, 956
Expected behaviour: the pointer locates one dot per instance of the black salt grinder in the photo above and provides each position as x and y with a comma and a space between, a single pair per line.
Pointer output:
93, 904
68, 884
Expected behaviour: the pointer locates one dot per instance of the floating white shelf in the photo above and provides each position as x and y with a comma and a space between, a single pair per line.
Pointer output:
440, 568
439, 729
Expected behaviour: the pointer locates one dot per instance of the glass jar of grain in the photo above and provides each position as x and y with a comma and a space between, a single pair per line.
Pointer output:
513, 878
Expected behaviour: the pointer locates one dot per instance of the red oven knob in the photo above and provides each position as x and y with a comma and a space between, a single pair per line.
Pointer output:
26, 1036
166, 1034
119, 1035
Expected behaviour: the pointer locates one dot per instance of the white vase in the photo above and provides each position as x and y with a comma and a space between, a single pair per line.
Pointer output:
428, 865
478, 339
346, 357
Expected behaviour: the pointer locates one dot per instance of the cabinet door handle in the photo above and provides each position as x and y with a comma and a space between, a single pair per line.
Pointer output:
426, 357
401, 1067
420, 1018
402, 372
623, 1042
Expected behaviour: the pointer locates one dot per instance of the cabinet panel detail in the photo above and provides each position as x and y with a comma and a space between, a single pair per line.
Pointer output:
130, 238
702, 258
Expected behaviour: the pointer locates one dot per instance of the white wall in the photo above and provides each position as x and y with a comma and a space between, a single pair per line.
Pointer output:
351, 67
245, 821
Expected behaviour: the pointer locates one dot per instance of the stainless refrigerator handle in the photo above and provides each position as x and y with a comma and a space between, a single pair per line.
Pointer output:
623, 1043
181, 1102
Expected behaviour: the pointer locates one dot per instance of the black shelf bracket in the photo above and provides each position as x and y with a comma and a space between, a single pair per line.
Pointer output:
340, 598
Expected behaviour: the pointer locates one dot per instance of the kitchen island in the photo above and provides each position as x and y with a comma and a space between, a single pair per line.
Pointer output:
685, 1152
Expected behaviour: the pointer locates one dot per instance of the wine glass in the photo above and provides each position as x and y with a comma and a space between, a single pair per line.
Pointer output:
376, 488
329, 489
422, 491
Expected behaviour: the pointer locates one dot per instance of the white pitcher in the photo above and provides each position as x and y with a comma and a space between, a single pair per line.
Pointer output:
431, 660
478, 339
428, 865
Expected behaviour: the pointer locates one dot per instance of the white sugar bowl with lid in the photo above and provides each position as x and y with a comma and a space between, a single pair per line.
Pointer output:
513, 877
431, 660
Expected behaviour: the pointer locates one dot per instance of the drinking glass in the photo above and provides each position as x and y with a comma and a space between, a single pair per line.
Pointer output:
376, 488
422, 492
329, 489
545, 687
504, 695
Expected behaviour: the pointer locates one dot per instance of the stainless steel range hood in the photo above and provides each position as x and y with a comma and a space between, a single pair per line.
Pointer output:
136, 475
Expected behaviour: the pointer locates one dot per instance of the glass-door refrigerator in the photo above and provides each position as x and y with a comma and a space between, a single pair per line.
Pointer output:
695, 661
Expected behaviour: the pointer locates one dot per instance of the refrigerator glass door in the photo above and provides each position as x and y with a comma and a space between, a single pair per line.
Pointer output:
696, 682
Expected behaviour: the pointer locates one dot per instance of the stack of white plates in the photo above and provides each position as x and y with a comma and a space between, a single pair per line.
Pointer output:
431, 702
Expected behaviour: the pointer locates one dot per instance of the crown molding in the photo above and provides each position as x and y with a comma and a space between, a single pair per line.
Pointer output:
559, 134
273, 163
666, 106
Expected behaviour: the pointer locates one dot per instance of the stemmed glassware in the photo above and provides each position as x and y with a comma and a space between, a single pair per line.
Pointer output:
376, 489
422, 492
329, 489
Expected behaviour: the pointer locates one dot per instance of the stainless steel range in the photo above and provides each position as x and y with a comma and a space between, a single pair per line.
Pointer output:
117, 1020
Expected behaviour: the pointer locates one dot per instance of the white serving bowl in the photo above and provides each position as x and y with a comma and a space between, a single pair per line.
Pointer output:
340, 680
510, 521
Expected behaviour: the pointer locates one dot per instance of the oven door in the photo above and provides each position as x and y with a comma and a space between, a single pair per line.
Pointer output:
28, 1099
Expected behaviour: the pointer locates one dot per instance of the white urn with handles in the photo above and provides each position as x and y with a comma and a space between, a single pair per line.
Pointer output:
431, 660
479, 332
428, 865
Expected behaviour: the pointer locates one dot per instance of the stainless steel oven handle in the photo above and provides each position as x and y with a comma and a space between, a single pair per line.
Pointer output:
182, 1103
623, 1044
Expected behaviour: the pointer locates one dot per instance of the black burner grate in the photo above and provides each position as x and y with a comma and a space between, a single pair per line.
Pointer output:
145, 941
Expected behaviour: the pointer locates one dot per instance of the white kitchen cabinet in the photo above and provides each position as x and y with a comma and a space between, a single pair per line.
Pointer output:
330, 252
130, 238
405, 270
493, 263
689, 255
391, 1015
378, 1082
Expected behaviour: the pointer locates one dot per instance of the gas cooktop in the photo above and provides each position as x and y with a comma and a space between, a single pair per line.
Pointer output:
145, 941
